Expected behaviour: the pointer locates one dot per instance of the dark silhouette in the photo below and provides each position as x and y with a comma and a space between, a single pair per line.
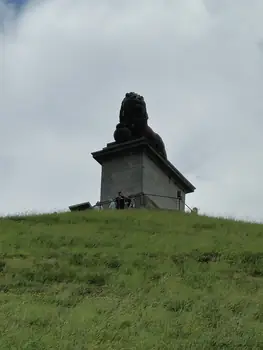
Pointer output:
121, 200
133, 123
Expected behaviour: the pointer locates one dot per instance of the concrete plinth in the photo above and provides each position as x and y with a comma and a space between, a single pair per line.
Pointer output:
136, 169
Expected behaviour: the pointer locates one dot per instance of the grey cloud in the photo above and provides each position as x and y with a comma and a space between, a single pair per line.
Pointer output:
68, 64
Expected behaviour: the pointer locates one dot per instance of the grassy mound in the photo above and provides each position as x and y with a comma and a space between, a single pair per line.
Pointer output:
130, 280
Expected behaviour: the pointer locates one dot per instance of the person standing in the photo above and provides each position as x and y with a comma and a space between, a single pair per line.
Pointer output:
120, 201
112, 204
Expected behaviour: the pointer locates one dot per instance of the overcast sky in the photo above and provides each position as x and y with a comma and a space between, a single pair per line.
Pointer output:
66, 66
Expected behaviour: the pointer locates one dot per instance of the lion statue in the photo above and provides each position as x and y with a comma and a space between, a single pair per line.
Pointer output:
133, 123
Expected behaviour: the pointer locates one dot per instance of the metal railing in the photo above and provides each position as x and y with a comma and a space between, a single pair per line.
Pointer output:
150, 201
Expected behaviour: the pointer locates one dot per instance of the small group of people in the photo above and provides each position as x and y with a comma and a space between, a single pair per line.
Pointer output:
120, 202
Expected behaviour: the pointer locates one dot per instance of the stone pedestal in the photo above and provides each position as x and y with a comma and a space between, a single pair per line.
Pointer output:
136, 169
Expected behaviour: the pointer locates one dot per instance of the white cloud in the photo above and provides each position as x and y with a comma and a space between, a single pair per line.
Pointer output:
66, 65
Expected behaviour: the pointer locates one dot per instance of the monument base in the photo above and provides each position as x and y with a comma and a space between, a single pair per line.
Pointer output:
137, 170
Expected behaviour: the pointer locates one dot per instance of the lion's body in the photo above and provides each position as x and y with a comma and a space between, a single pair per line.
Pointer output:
133, 123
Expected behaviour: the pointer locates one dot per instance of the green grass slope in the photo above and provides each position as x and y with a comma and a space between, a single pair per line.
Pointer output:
130, 280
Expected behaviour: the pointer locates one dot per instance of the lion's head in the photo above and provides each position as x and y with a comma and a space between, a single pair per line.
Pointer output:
133, 112
133, 123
